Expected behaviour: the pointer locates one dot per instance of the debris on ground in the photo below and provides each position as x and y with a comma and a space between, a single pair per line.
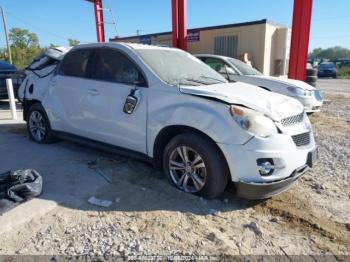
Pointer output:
102, 163
100, 202
94, 165
18, 187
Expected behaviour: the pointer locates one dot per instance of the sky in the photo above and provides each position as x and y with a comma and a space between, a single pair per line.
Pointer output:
54, 21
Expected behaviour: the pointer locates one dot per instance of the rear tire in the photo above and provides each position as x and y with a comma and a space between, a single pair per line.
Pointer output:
311, 72
38, 125
195, 165
311, 79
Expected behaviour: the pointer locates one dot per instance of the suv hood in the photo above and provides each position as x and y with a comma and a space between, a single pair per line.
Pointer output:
286, 81
271, 104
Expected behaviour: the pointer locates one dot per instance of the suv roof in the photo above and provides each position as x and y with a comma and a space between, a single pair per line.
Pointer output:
134, 46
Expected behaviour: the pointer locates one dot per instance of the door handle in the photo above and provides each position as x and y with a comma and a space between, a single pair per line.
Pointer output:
93, 92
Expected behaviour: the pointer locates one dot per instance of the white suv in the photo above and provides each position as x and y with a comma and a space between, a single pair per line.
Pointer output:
165, 106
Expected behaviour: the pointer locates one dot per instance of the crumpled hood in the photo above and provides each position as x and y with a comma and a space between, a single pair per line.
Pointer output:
286, 81
271, 104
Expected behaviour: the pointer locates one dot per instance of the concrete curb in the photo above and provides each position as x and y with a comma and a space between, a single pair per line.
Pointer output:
25, 212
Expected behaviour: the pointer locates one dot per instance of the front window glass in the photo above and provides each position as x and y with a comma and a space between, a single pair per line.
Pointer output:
113, 66
218, 65
176, 67
244, 68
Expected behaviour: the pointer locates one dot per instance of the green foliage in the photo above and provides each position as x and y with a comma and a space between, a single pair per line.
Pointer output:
24, 47
22, 38
73, 42
331, 53
344, 72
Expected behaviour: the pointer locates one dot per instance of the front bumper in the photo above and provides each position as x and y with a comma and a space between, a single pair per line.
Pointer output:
266, 190
291, 162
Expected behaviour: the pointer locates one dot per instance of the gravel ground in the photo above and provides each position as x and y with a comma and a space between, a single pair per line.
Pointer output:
148, 216
334, 86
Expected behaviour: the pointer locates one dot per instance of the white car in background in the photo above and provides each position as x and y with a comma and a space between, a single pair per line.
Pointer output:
235, 70
165, 106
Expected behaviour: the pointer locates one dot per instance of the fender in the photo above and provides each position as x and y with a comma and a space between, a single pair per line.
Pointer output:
207, 116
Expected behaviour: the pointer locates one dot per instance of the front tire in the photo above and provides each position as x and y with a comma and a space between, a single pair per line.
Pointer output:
195, 165
38, 125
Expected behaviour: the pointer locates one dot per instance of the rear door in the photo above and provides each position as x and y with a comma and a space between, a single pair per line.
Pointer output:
66, 91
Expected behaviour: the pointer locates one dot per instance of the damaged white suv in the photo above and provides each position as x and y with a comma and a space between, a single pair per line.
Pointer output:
165, 106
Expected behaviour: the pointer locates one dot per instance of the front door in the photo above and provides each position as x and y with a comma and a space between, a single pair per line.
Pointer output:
111, 82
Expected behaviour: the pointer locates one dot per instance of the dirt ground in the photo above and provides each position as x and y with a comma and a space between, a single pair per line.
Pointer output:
149, 216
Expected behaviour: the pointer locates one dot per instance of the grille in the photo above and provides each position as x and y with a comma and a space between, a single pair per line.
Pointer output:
302, 139
289, 121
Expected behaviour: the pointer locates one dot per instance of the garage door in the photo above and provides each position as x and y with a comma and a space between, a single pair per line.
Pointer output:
226, 46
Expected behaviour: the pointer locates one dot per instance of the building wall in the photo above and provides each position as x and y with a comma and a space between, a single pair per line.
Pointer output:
250, 40
277, 49
265, 43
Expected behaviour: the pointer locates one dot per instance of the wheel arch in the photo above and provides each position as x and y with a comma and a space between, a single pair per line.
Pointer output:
27, 104
167, 133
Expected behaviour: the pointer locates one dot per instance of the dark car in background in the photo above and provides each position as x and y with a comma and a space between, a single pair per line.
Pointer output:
327, 70
9, 71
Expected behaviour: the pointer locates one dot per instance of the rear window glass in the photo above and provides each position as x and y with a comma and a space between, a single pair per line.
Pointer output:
75, 63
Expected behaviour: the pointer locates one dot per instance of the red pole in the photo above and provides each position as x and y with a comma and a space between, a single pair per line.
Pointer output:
175, 15
100, 28
300, 39
182, 27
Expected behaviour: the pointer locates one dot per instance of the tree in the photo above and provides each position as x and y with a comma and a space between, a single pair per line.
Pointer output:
331, 53
73, 42
22, 38
24, 47
315, 53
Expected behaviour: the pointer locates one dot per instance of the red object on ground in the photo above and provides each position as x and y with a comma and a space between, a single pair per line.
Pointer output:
300, 39
179, 14
100, 27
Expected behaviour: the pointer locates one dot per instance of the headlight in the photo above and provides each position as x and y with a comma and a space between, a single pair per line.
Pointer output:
299, 91
253, 121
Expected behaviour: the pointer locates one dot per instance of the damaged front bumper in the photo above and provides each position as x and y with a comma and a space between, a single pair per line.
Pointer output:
268, 189
264, 190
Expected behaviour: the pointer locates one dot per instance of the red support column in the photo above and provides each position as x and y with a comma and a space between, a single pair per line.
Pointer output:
182, 21
300, 39
100, 28
175, 15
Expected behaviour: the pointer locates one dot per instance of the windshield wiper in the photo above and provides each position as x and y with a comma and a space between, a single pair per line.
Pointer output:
187, 82
212, 78
197, 81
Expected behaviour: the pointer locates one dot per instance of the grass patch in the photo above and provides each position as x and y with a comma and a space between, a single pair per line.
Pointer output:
344, 72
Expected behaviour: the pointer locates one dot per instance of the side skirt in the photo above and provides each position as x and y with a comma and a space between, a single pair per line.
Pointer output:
103, 146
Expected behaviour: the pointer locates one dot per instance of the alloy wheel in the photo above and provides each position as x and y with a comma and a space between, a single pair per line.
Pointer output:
187, 169
37, 126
